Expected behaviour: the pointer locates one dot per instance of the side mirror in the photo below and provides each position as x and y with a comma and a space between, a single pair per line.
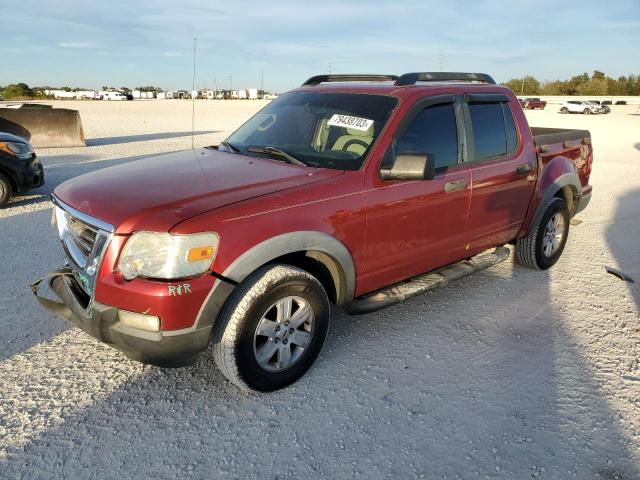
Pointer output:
410, 166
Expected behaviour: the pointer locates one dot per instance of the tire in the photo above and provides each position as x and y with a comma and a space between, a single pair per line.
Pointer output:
564, 110
5, 190
586, 111
261, 301
541, 249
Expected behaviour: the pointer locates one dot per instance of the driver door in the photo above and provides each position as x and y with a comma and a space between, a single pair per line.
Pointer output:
417, 226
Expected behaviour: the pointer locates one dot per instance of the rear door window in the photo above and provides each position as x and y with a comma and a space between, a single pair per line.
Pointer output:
433, 131
494, 130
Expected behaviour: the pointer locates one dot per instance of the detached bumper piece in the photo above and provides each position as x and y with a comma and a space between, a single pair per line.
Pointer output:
105, 323
427, 282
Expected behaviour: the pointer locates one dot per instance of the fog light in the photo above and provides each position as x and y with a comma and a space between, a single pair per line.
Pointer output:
139, 321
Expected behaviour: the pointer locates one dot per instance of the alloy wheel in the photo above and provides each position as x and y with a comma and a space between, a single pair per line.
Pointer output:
283, 334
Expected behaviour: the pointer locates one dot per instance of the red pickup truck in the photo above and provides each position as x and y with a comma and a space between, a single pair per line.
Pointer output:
533, 103
353, 190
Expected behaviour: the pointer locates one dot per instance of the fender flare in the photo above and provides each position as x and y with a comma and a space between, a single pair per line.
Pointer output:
564, 180
322, 247
333, 254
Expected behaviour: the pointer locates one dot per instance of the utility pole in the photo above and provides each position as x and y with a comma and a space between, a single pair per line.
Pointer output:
441, 59
329, 67
522, 88
261, 80
193, 100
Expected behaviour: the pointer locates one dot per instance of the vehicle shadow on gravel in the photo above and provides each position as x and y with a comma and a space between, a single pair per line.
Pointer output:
624, 226
478, 378
93, 142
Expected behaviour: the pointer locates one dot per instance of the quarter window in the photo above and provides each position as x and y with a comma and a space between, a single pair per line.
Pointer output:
433, 131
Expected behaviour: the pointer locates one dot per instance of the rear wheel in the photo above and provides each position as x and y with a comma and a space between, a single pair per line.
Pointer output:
542, 248
272, 328
564, 110
5, 190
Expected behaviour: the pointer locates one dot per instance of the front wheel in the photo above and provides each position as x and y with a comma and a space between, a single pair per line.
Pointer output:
272, 328
5, 190
542, 248
586, 111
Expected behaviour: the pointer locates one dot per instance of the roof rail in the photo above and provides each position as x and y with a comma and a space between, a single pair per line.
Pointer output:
413, 78
348, 78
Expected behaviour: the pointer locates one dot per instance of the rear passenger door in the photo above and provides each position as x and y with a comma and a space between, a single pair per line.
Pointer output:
502, 173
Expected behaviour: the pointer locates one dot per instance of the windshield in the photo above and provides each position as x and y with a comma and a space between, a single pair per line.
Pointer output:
328, 130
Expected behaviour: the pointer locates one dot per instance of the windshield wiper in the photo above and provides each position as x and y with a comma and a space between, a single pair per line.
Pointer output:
229, 146
278, 153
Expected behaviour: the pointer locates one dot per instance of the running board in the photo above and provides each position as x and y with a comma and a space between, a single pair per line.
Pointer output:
427, 282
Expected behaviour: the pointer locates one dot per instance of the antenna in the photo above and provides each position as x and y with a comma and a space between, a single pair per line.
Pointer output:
193, 98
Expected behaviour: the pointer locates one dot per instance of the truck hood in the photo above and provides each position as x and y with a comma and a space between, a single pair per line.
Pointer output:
158, 192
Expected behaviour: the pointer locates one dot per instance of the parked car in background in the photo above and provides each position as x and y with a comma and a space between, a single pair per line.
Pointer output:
579, 106
388, 191
601, 108
20, 169
533, 103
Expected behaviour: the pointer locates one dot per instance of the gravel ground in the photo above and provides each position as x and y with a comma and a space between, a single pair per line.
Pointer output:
509, 373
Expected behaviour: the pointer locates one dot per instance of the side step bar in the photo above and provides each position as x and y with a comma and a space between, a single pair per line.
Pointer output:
427, 282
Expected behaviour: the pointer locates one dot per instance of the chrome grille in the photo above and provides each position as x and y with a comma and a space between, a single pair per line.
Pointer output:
82, 235
84, 239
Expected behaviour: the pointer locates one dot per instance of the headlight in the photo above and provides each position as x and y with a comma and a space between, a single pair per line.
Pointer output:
20, 150
166, 256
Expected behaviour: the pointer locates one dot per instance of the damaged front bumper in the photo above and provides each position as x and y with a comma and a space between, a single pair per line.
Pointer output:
162, 348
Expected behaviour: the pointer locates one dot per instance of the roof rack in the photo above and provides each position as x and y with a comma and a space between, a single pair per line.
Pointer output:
413, 78
316, 80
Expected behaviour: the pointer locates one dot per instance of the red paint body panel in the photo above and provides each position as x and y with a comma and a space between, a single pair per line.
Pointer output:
500, 195
334, 206
156, 193
393, 230
148, 296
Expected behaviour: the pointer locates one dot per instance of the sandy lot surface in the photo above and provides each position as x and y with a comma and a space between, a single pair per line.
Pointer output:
507, 374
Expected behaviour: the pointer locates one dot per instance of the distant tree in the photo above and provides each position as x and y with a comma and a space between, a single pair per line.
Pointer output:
149, 89
595, 86
524, 86
19, 90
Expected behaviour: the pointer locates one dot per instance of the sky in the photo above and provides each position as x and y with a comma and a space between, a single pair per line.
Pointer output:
150, 42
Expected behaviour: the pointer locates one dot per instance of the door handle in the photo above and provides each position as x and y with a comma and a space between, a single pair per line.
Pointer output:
455, 185
524, 168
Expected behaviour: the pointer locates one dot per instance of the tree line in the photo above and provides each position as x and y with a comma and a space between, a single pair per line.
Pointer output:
585, 84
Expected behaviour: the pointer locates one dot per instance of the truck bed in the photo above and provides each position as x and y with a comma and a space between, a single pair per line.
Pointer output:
571, 144
544, 137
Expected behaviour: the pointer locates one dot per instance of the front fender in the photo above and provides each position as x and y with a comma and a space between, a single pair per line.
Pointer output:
292, 242
327, 249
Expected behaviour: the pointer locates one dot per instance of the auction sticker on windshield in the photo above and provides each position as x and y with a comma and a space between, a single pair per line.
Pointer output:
348, 121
